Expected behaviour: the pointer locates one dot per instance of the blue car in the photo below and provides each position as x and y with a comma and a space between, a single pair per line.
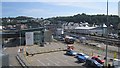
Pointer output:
81, 58
93, 63
82, 54
72, 53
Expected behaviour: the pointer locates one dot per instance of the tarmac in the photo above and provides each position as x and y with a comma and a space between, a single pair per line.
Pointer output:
52, 47
59, 46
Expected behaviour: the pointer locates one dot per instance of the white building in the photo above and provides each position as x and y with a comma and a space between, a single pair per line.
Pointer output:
91, 30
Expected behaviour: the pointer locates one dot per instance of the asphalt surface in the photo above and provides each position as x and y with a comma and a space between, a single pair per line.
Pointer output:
60, 59
11, 52
54, 59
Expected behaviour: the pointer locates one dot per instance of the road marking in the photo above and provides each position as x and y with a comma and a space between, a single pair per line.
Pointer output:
41, 62
62, 61
53, 62
67, 57
5, 48
11, 65
48, 63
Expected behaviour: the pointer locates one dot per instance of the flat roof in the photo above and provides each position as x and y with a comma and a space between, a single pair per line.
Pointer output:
85, 27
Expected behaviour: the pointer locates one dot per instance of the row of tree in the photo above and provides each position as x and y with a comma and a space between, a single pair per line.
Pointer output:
91, 19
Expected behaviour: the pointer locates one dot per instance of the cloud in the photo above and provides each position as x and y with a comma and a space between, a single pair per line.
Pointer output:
98, 7
89, 5
59, 0
32, 10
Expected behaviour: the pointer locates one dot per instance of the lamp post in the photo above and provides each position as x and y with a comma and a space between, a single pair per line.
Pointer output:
20, 34
42, 43
106, 45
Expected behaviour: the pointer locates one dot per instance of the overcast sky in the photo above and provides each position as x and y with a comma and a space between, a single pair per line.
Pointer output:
52, 8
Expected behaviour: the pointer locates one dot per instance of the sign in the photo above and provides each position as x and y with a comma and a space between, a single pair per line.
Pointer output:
29, 38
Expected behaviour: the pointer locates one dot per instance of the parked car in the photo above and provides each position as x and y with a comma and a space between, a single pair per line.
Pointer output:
98, 59
82, 54
116, 63
71, 52
69, 40
81, 58
91, 63
59, 38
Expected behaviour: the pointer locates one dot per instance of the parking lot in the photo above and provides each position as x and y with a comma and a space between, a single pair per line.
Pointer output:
51, 55
53, 59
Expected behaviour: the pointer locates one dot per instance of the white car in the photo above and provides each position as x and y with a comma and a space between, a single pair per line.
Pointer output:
116, 63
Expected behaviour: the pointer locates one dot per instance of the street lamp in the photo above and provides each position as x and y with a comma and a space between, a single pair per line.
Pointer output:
107, 44
42, 43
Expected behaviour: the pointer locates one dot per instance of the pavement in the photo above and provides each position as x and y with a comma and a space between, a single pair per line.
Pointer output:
53, 59
44, 56
53, 47
56, 58
12, 53
92, 50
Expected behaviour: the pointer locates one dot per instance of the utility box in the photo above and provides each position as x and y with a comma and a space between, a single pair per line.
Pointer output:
29, 38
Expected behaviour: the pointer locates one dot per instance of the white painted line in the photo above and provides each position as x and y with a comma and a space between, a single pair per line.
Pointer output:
48, 63
11, 65
41, 62
53, 62
62, 61
5, 48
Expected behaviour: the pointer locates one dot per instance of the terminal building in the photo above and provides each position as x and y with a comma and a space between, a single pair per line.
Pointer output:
26, 36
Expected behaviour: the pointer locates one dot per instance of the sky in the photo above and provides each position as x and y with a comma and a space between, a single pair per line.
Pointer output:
53, 8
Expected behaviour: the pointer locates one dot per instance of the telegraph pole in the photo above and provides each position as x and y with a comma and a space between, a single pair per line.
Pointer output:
106, 56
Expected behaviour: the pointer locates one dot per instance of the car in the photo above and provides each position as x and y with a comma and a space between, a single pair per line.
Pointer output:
93, 64
69, 40
71, 52
98, 59
59, 38
116, 63
82, 54
81, 58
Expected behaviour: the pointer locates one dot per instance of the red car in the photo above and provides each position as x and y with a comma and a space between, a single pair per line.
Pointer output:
98, 59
